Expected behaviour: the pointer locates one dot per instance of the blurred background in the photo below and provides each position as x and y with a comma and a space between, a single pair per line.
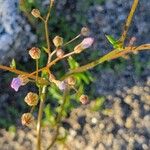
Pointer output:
118, 116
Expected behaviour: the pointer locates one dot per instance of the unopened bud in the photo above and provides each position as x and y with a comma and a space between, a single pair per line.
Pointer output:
31, 99
84, 99
85, 31
27, 119
71, 81
60, 53
36, 13
58, 41
86, 43
35, 53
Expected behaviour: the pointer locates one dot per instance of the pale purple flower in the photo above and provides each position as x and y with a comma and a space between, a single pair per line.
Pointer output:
62, 85
16, 83
87, 42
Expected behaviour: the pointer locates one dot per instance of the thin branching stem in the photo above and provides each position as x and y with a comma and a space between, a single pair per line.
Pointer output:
110, 56
37, 67
42, 94
128, 21
43, 90
72, 40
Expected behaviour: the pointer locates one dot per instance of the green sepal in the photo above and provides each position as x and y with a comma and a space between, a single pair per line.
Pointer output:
13, 64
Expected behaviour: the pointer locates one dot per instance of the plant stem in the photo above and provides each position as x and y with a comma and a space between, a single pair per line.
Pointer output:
72, 40
110, 56
42, 94
37, 67
58, 119
128, 21
47, 37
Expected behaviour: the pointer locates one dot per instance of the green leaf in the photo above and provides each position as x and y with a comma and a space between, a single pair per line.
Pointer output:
72, 63
13, 63
45, 49
113, 41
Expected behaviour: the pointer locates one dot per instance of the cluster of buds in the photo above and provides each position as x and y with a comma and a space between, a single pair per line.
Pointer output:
35, 53
31, 99
86, 43
58, 42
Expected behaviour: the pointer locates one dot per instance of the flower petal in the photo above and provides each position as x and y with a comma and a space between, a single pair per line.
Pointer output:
15, 84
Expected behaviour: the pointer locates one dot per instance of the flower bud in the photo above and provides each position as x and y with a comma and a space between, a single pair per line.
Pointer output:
27, 119
36, 13
59, 53
85, 31
62, 85
35, 53
31, 99
58, 41
71, 81
84, 99
86, 43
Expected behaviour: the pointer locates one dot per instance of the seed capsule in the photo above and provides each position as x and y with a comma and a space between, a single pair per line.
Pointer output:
36, 13
27, 119
35, 53
84, 99
58, 41
71, 81
31, 99
85, 31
